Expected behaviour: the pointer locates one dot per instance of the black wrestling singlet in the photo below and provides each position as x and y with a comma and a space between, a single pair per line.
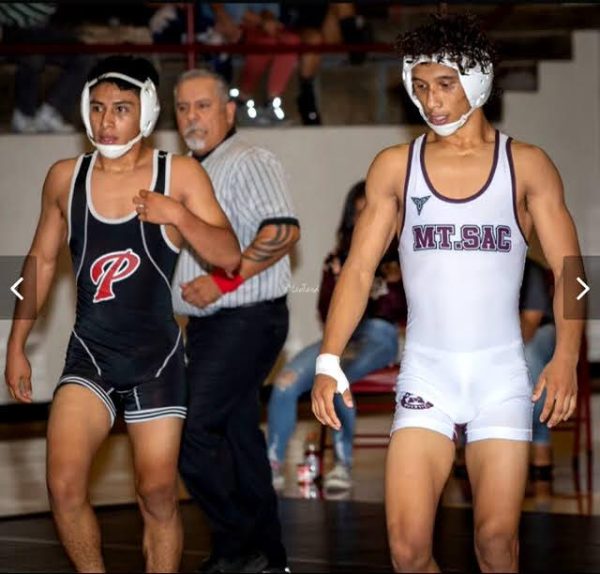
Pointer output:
124, 328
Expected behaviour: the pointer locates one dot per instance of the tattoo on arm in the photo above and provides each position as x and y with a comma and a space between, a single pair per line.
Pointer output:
262, 250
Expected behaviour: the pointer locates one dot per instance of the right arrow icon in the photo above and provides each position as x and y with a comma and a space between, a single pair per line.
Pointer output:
585, 286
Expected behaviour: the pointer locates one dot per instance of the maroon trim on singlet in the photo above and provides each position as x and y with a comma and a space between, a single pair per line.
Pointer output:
513, 183
406, 180
471, 197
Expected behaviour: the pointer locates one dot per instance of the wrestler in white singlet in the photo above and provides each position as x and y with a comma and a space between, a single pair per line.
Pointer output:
462, 263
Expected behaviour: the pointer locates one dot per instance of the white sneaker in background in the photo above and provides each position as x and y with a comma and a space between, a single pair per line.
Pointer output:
339, 478
49, 120
278, 475
274, 114
22, 124
337, 494
248, 114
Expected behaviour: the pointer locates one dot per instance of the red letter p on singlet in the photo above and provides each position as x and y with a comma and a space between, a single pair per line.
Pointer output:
110, 268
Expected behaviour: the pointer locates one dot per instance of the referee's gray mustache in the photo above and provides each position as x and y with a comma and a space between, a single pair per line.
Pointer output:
194, 128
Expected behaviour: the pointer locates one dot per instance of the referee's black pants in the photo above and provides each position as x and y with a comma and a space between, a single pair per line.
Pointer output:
223, 458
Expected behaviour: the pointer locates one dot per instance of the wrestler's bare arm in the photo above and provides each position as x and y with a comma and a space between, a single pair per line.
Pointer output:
202, 222
372, 235
39, 269
543, 192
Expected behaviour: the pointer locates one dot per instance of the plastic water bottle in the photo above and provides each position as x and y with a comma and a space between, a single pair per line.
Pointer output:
310, 490
311, 458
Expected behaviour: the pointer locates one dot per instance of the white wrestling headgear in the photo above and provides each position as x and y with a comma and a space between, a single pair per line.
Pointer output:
476, 83
149, 110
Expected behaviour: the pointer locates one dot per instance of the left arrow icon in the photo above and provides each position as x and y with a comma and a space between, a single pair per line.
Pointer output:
14, 286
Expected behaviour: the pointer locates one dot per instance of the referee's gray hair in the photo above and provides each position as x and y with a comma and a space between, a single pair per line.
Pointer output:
222, 86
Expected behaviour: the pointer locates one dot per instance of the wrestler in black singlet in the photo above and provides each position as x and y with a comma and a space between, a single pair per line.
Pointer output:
125, 342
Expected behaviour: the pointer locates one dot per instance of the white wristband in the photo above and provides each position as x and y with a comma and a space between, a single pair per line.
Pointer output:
329, 365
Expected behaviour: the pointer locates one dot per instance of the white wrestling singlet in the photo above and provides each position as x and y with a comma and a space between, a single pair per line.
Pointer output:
462, 265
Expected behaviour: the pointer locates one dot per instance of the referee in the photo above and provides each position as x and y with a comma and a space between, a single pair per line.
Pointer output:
237, 327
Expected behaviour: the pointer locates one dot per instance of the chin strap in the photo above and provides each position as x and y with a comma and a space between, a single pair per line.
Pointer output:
448, 129
115, 151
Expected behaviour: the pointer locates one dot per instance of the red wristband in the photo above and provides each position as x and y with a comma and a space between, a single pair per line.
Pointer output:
224, 283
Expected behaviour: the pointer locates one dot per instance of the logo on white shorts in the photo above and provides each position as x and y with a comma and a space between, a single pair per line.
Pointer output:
410, 401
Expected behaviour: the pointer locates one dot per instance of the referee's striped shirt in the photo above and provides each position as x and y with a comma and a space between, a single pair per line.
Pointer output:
250, 186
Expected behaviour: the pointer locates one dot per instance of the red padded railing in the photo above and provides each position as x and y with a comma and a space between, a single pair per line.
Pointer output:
190, 48
194, 47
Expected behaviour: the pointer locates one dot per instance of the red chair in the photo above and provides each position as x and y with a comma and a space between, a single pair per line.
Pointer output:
377, 392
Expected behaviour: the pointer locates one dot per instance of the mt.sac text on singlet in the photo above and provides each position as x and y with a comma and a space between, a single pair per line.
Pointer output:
495, 238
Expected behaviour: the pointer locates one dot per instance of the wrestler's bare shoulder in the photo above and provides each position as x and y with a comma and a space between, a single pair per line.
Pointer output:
396, 155
530, 160
185, 164
388, 170
58, 180
525, 151
188, 176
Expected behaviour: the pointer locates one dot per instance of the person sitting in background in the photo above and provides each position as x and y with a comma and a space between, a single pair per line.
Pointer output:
374, 345
231, 23
35, 23
260, 24
539, 337
320, 23
212, 26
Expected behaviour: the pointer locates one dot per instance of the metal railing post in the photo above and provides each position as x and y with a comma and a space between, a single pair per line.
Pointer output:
191, 35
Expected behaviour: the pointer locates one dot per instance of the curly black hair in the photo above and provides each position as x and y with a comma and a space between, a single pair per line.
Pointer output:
459, 37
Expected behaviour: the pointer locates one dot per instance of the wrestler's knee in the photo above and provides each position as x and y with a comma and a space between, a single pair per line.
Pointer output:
496, 546
157, 497
67, 489
409, 552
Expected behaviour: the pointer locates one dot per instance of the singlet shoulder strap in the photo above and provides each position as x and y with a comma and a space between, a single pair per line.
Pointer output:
409, 178
163, 169
77, 196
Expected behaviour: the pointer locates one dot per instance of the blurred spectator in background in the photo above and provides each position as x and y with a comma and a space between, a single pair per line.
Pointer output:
374, 344
39, 23
260, 23
212, 26
230, 23
267, 24
322, 23
109, 22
